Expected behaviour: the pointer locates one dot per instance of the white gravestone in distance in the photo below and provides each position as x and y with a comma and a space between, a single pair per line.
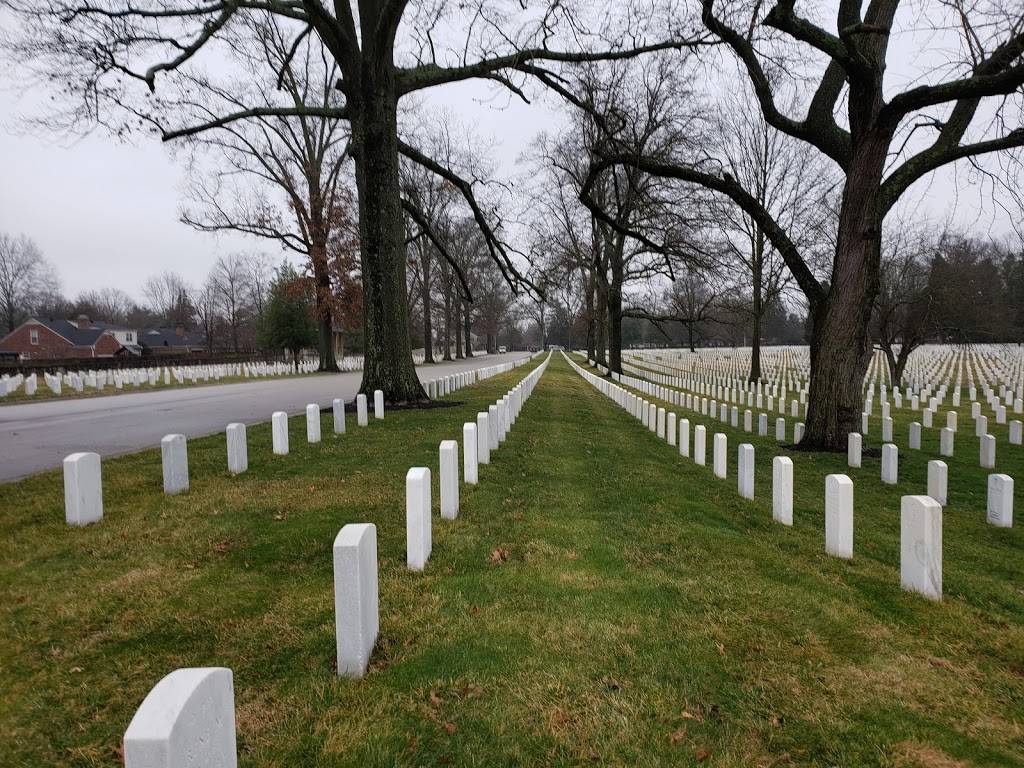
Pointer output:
946, 437
378, 404
83, 489
174, 457
684, 437
921, 546
186, 720
987, 451
356, 600
417, 518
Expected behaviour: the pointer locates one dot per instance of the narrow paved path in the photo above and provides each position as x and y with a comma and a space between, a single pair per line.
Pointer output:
37, 436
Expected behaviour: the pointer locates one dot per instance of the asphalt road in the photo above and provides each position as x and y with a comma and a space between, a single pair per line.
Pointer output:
37, 436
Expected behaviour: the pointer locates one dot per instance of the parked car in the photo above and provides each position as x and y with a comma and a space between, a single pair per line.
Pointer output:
502, 350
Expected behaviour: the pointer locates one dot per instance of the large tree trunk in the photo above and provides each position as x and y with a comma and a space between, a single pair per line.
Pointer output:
467, 328
448, 324
840, 342
601, 324
388, 362
591, 330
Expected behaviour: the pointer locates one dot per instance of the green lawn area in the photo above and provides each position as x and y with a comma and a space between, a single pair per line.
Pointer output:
599, 601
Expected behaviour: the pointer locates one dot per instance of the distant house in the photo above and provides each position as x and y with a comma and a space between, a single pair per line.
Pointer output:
171, 341
49, 339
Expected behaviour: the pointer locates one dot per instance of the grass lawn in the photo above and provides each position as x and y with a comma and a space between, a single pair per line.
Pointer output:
44, 393
600, 600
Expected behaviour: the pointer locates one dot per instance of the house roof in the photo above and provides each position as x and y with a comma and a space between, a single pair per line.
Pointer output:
79, 337
168, 337
109, 326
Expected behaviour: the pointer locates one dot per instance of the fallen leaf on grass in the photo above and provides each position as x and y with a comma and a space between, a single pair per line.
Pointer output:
702, 755
677, 737
499, 555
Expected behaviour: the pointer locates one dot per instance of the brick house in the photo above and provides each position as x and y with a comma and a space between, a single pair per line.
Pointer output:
171, 341
42, 339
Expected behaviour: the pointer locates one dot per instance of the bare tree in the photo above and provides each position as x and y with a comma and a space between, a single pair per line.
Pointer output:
883, 143
167, 295
229, 281
101, 53
787, 178
903, 317
108, 303
24, 277
275, 176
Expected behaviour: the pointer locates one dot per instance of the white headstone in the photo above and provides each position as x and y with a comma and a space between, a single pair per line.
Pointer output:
938, 481
338, 409
684, 437
946, 437
362, 417
279, 431
921, 546
1000, 500
449, 467
854, 452
83, 489
839, 516
312, 423
780, 429
782, 489
470, 454
987, 451
417, 518
700, 437
483, 440
890, 464
378, 404
720, 449
670, 429
187, 720
745, 471
915, 436
174, 457
238, 449
356, 600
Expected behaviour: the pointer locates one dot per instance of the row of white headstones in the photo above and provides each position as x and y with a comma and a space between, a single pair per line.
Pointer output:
83, 484
79, 381
188, 718
999, 403
920, 515
1000, 485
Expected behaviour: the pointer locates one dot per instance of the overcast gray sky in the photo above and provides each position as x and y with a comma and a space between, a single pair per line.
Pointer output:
106, 213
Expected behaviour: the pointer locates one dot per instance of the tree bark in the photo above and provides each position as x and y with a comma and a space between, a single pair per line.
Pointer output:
388, 364
840, 341
467, 320
615, 315
428, 330
757, 273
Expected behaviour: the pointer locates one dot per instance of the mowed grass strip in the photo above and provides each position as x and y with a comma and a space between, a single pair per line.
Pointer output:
600, 600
